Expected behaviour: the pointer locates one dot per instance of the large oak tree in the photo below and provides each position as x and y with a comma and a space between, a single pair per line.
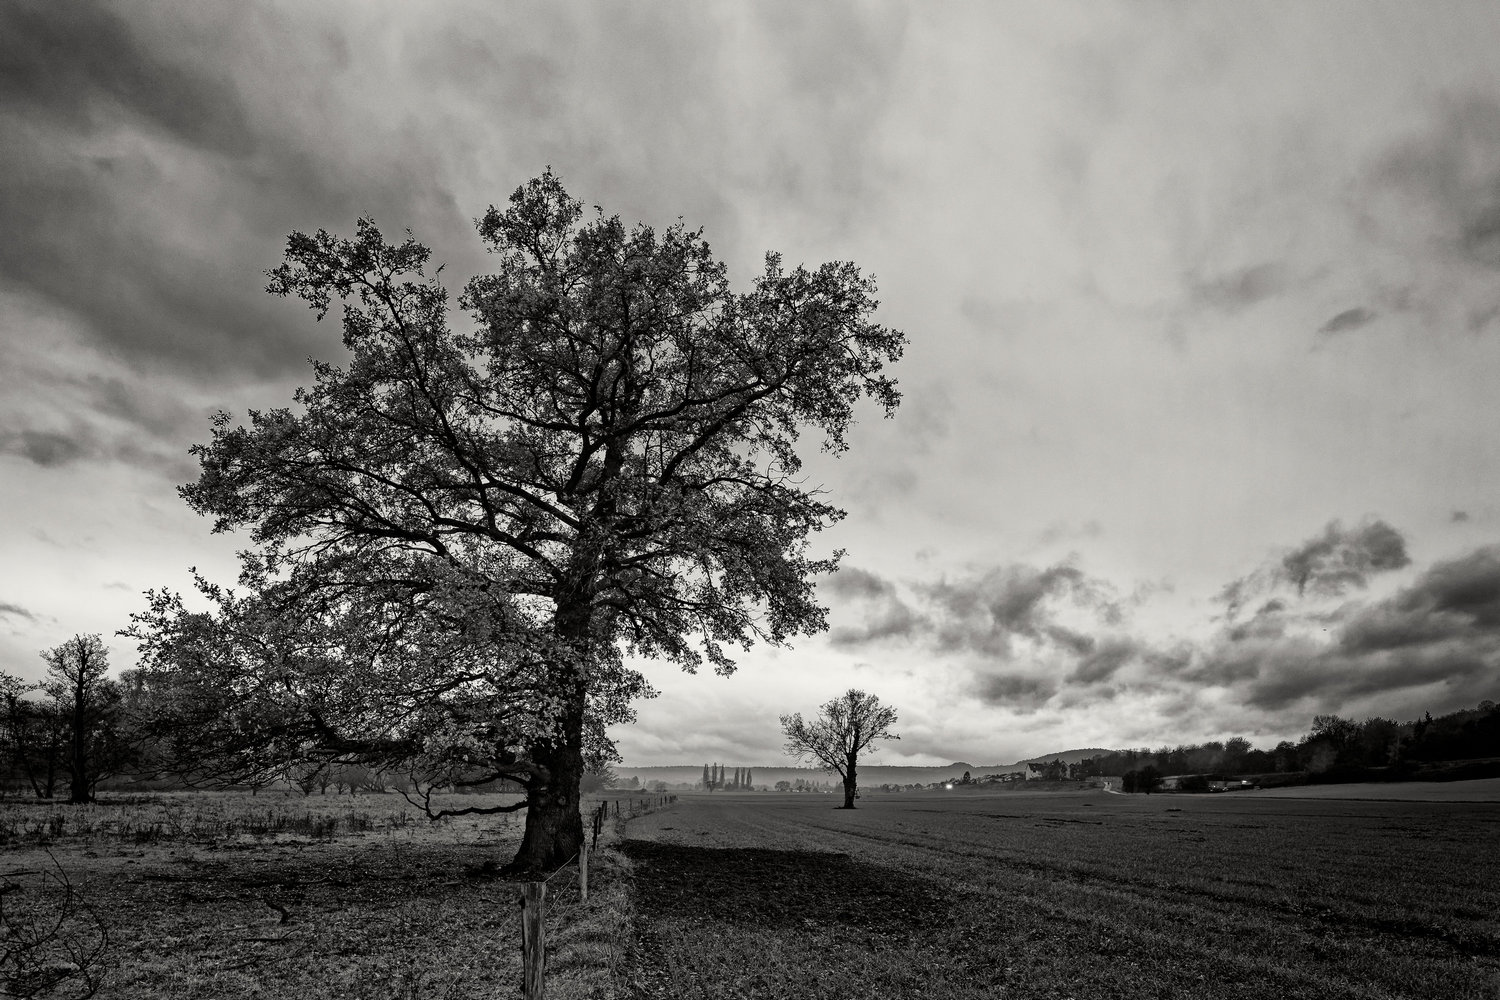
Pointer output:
467, 532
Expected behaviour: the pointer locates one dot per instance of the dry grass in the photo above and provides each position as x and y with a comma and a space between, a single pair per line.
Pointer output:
229, 895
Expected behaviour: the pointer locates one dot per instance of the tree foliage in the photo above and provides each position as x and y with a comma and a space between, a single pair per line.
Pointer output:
34, 734
465, 533
69, 726
844, 728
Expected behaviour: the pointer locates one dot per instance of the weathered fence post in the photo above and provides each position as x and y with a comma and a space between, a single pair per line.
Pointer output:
533, 939
582, 871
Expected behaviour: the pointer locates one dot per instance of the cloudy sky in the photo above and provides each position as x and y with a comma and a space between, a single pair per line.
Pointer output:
1201, 432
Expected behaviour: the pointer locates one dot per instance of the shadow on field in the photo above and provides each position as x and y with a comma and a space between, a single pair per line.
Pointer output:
779, 889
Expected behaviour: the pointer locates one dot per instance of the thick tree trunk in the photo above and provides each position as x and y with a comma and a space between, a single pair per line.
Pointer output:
78, 775
554, 815
851, 784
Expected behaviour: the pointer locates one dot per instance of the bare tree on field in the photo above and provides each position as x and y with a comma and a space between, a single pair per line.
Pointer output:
464, 532
844, 728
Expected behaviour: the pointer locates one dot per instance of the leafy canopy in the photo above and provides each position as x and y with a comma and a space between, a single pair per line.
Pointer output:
459, 535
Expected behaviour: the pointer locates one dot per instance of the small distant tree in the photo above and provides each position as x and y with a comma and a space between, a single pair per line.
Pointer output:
747, 779
598, 778
708, 779
783, 786
844, 728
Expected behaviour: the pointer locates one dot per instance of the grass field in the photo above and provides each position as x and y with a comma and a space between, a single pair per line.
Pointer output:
1089, 896
1084, 895
207, 895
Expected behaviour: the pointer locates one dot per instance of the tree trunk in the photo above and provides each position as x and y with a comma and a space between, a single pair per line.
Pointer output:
78, 775
554, 814
78, 761
851, 784
554, 818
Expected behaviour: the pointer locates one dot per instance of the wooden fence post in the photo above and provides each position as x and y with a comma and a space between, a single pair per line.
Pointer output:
583, 872
533, 939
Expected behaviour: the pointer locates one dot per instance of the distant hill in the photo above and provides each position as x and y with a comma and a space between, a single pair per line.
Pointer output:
1066, 756
870, 775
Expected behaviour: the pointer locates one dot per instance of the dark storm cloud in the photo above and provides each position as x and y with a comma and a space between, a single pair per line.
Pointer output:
1337, 560
1326, 565
985, 613
145, 193
1104, 660
155, 159
135, 404
1017, 692
74, 75
1286, 676
80, 66
1440, 633
1349, 319
1442, 629
1453, 602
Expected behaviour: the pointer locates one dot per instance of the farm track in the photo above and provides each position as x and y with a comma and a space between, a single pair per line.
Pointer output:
1243, 899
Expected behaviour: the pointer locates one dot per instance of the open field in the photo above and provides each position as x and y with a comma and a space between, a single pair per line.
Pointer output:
228, 895
941, 895
1477, 790
1084, 895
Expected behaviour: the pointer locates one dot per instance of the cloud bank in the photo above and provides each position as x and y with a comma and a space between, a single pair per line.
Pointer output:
1034, 638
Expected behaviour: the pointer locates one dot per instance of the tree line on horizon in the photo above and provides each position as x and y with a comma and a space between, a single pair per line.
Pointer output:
1334, 746
79, 726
